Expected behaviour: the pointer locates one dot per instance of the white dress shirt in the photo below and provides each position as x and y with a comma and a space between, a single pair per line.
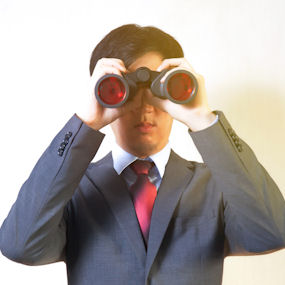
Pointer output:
122, 159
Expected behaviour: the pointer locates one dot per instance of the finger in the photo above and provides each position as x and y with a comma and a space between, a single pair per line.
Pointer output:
104, 70
115, 62
170, 62
107, 69
175, 62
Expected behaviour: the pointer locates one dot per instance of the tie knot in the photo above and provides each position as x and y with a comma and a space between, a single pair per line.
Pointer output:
141, 166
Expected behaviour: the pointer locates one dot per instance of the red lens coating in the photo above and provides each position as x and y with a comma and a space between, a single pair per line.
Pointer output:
112, 91
180, 86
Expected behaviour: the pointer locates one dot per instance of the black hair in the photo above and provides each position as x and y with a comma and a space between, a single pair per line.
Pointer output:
129, 42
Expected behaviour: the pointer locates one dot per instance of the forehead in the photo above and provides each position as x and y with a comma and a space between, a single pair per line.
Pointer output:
152, 60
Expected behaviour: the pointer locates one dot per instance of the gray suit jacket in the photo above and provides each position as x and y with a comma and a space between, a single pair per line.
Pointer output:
82, 213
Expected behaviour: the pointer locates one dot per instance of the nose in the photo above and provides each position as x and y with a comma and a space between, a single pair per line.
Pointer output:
145, 106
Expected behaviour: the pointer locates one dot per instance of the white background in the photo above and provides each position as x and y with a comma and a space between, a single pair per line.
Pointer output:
44, 54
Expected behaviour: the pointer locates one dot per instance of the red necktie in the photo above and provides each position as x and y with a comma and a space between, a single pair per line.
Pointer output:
143, 193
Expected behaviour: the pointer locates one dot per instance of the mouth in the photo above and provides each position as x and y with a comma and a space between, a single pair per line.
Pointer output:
145, 127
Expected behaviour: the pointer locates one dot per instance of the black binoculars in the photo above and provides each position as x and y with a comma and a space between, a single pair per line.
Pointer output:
112, 90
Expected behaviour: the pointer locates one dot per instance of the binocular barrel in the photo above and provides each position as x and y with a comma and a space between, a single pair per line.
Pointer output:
112, 90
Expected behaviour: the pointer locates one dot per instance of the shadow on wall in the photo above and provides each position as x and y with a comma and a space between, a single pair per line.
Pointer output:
258, 110
257, 113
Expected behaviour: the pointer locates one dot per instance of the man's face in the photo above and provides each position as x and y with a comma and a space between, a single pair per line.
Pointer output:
146, 129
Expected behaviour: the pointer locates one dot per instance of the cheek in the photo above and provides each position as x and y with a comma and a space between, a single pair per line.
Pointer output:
123, 126
166, 124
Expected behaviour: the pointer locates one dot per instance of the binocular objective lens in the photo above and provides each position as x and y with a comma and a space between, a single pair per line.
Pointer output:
180, 87
112, 91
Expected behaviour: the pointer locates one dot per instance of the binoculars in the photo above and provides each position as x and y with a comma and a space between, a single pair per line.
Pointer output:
112, 90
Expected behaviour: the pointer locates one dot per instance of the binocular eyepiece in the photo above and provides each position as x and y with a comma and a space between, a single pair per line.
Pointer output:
112, 90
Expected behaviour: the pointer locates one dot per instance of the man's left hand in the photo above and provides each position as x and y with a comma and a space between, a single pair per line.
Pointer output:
196, 114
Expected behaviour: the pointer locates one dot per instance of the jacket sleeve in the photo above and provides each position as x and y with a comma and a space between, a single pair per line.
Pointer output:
34, 232
254, 208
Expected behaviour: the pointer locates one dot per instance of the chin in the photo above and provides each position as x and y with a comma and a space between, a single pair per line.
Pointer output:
144, 149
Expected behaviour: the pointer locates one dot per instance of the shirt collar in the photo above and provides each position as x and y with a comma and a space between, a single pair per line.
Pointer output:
122, 159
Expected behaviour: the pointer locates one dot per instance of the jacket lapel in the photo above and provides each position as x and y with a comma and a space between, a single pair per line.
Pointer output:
115, 191
177, 175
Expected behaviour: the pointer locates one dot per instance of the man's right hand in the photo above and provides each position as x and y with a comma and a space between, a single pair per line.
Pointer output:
94, 114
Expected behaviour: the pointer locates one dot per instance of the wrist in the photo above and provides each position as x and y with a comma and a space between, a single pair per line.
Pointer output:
200, 119
90, 122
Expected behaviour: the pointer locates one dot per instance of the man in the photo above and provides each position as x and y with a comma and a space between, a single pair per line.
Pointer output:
90, 215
